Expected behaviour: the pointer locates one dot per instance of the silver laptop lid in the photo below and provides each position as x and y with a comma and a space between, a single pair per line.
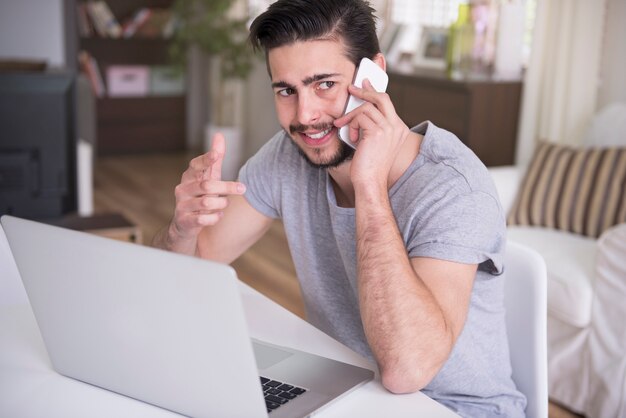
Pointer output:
139, 321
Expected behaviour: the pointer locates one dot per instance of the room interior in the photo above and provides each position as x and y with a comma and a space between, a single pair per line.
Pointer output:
571, 94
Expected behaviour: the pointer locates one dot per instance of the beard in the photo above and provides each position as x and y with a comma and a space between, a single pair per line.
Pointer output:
341, 155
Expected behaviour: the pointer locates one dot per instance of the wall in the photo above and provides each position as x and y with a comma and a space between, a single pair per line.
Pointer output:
197, 99
613, 65
259, 111
32, 29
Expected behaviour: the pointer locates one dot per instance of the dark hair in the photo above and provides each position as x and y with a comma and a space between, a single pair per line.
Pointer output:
289, 21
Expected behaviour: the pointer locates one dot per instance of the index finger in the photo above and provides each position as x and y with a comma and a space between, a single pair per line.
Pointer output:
211, 161
368, 93
218, 148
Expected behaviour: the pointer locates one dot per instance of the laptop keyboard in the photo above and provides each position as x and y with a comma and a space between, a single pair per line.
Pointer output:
278, 393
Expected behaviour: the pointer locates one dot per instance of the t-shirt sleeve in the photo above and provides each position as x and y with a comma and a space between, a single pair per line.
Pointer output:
262, 179
467, 228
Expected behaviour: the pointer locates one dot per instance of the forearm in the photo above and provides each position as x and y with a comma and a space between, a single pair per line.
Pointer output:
168, 239
404, 325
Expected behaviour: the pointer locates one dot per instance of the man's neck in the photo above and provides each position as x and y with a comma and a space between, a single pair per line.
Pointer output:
342, 184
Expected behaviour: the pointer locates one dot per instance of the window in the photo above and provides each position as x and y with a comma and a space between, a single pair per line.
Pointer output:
425, 12
256, 7
412, 13
418, 13
415, 14
531, 11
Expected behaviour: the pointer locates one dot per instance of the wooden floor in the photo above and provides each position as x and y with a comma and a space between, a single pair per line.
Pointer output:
142, 189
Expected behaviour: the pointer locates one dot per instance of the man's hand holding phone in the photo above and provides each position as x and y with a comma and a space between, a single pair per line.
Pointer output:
378, 78
375, 129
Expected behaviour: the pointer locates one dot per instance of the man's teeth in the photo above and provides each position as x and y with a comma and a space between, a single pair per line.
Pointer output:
319, 135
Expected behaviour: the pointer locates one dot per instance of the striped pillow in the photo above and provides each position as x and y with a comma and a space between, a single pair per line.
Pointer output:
577, 190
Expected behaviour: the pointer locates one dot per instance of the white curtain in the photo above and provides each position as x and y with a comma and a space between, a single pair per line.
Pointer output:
561, 83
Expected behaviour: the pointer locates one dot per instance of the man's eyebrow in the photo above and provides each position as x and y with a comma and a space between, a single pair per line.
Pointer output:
282, 84
318, 77
306, 81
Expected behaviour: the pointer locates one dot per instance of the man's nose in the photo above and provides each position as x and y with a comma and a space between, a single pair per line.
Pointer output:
308, 109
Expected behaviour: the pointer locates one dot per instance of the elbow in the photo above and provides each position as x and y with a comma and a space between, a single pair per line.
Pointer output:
410, 374
409, 371
404, 380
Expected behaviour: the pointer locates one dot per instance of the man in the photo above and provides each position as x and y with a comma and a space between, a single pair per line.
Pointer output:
397, 245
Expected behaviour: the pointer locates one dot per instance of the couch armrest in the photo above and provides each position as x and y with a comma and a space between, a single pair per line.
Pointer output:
507, 180
607, 383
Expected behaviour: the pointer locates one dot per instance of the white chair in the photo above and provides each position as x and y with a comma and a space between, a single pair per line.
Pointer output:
525, 300
586, 333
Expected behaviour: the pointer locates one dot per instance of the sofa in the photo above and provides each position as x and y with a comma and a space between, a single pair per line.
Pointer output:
569, 204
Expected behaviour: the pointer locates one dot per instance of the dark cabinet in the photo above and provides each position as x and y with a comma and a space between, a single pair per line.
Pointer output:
483, 112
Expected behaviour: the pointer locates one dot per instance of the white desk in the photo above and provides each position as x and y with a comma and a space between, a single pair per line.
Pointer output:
29, 387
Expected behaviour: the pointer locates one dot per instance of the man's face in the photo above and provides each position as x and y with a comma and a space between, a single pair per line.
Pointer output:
310, 81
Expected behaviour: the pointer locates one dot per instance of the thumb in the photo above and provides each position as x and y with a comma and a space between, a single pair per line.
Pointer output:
218, 148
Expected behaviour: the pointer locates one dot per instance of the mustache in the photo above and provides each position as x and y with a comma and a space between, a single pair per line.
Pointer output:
318, 127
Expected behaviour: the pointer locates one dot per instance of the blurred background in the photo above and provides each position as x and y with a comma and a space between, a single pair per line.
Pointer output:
163, 75
103, 103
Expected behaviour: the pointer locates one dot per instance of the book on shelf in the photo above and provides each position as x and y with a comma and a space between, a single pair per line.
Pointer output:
130, 26
171, 26
104, 22
89, 67
85, 27
159, 24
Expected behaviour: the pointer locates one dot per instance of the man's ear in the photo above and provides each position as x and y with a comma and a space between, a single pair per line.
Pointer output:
380, 60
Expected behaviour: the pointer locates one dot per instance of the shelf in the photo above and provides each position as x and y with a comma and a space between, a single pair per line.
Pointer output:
146, 51
440, 78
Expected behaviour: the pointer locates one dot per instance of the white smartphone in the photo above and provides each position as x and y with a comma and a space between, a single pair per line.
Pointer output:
379, 79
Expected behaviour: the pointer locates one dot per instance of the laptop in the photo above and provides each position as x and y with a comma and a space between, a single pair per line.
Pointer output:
163, 328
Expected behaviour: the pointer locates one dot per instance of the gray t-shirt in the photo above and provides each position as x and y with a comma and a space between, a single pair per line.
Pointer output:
446, 207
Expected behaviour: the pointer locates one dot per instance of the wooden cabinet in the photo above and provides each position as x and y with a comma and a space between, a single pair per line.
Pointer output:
482, 112
140, 124
135, 124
